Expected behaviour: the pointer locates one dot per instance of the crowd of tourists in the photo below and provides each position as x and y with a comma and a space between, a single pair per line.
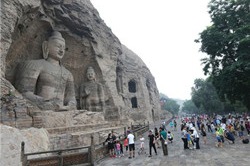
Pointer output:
157, 138
193, 128
224, 128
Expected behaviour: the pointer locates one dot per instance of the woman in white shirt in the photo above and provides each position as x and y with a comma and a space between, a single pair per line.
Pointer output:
196, 137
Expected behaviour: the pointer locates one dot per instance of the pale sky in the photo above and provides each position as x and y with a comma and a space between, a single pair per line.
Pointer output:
162, 34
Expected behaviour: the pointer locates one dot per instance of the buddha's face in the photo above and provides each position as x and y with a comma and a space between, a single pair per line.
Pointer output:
56, 49
91, 75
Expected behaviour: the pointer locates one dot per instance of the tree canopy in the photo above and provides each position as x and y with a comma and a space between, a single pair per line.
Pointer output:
206, 100
227, 45
205, 97
189, 107
170, 105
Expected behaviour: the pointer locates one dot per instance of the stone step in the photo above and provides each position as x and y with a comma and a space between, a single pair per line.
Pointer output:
78, 128
82, 138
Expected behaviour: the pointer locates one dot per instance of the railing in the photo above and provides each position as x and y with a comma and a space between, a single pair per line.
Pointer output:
60, 157
88, 155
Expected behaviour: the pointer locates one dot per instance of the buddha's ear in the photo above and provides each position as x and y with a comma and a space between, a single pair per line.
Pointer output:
45, 50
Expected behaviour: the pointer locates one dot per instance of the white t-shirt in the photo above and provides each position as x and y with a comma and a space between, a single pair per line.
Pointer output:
131, 139
195, 134
223, 126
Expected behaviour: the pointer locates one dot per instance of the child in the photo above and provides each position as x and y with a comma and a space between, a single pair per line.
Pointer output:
189, 140
170, 136
118, 149
171, 124
142, 139
125, 143
218, 137
122, 154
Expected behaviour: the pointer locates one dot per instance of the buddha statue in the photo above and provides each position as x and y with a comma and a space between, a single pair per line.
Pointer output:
46, 82
91, 93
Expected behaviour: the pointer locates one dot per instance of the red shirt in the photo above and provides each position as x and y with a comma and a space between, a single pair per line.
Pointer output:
125, 142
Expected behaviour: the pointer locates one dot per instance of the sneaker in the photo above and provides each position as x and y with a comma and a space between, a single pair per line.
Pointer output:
133, 156
150, 156
130, 157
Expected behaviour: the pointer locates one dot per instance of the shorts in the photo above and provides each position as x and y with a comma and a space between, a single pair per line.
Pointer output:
218, 138
131, 147
142, 144
110, 146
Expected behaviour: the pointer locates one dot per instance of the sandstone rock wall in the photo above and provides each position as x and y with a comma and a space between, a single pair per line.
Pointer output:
11, 138
89, 42
131, 93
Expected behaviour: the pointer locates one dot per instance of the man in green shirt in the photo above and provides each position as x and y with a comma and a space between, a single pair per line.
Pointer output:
163, 135
221, 133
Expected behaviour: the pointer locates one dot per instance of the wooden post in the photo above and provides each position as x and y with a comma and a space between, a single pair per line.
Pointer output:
92, 151
23, 156
125, 131
132, 126
60, 157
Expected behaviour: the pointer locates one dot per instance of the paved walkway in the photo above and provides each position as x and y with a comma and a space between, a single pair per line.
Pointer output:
237, 154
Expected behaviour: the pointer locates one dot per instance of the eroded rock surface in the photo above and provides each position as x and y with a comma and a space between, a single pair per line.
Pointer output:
130, 94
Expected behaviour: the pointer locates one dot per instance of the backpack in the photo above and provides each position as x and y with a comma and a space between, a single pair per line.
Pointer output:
245, 141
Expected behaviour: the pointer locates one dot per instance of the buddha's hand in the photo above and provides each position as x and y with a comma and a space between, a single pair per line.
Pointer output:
69, 106
87, 90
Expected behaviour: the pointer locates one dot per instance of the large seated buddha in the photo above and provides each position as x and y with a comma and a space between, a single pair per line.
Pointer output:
46, 82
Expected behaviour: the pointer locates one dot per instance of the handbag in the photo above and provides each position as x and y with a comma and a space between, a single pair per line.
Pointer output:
165, 141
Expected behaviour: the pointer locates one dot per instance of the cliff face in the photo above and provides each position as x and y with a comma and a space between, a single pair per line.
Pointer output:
130, 90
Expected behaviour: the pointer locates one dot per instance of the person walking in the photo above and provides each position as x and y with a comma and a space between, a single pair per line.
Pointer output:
157, 137
131, 144
196, 137
164, 145
151, 143
184, 137
118, 148
175, 125
110, 145
125, 143
204, 133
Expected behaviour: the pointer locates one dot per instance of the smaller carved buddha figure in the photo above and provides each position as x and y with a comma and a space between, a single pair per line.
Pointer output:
46, 82
91, 93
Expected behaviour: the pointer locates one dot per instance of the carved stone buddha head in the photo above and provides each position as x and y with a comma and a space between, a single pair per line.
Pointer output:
54, 48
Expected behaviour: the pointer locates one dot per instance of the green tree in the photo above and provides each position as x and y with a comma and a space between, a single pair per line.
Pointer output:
189, 107
205, 97
227, 45
171, 106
